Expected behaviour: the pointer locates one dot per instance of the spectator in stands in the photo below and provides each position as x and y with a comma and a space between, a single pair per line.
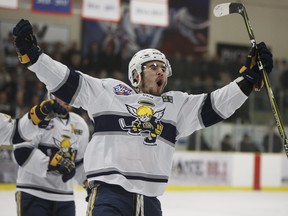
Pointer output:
40, 31
9, 60
272, 142
109, 57
75, 60
57, 52
226, 144
73, 48
90, 60
247, 144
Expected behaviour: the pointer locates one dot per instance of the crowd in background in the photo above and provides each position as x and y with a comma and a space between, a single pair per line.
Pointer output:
20, 89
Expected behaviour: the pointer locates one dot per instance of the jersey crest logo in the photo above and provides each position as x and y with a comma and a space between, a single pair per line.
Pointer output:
147, 123
66, 147
67, 143
122, 90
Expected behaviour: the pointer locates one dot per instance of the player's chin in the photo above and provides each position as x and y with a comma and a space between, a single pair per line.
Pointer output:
157, 93
159, 90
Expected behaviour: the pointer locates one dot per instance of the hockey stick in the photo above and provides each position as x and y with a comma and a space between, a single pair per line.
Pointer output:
230, 8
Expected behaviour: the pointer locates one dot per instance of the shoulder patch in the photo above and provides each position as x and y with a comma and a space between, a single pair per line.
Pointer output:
167, 98
122, 90
78, 131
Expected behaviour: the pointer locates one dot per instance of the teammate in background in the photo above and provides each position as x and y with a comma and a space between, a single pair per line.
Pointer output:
48, 164
25, 129
129, 158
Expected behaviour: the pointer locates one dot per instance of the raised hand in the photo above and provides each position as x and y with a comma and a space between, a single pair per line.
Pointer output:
25, 43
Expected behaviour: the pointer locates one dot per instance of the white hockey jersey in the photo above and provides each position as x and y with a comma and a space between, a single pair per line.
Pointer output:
33, 158
16, 130
134, 134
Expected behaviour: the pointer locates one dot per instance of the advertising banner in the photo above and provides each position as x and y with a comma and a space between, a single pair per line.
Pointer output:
149, 12
104, 10
201, 169
62, 7
11, 4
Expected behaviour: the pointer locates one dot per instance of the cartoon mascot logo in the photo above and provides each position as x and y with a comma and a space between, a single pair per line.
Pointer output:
146, 122
67, 144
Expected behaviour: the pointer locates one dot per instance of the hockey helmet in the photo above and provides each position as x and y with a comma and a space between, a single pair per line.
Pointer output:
143, 56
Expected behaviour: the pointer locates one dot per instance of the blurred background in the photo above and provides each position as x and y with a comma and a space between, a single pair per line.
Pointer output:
205, 52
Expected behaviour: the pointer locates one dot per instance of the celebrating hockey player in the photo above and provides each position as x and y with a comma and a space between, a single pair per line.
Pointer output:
48, 163
129, 158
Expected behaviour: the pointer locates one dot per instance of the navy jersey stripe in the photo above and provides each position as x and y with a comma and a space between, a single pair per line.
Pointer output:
69, 88
208, 114
42, 189
132, 177
22, 154
110, 123
169, 132
16, 136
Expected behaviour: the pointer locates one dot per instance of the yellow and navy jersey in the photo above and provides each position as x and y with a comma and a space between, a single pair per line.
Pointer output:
135, 134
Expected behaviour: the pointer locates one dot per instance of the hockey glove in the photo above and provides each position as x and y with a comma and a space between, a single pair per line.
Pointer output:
63, 165
266, 57
41, 114
25, 43
67, 176
251, 70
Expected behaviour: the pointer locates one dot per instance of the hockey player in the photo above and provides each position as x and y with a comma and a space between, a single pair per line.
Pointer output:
26, 128
129, 158
48, 164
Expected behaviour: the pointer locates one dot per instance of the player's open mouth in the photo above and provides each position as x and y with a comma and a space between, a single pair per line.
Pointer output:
159, 83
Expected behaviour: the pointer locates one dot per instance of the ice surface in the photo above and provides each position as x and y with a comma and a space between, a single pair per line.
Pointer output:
193, 203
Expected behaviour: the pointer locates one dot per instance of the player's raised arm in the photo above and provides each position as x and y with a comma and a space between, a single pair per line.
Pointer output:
39, 116
29, 52
65, 83
23, 129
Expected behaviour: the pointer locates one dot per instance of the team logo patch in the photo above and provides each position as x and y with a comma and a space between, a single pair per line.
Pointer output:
122, 90
146, 123
167, 98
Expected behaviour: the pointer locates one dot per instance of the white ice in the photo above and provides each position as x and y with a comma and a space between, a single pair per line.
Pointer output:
195, 203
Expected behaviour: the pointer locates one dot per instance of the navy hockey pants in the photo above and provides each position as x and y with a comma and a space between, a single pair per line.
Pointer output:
113, 200
29, 205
